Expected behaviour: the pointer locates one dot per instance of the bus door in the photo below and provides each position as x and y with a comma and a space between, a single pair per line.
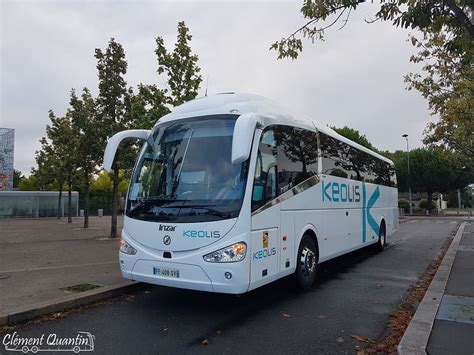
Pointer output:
264, 248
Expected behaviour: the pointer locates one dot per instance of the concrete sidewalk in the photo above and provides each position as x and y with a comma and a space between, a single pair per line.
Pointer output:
41, 258
444, 320
453, 329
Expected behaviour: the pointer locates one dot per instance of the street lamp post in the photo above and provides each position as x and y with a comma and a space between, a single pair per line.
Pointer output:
409, 182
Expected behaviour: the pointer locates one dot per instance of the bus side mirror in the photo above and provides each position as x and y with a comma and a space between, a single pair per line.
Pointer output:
243, 135
114, 142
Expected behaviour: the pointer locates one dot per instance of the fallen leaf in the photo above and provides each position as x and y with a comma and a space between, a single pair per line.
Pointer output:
165, 329
339, 340
379, 285
285, 315
321, 316
205, 342
360, 338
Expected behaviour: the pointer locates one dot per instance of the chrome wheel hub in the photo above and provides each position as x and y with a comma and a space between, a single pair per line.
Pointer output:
307, 261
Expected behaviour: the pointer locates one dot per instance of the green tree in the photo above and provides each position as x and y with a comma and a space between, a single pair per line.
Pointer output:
17, 178
85, 122
146, 107
57, 157
445, 50
430, 16
432, 169
449, 89
355, 136
29, 183
111, 68
180, 67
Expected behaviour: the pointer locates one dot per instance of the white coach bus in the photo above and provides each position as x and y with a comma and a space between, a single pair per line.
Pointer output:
230, 192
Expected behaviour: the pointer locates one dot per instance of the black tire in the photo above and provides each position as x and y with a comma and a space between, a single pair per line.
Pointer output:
306, 262
382, 242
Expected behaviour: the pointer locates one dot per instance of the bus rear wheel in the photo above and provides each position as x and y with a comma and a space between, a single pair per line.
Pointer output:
380, 246
307, 262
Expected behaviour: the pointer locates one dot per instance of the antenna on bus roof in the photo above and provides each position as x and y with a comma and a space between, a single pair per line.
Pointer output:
207, 84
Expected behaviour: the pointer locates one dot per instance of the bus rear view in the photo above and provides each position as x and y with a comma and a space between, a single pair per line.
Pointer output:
213, 207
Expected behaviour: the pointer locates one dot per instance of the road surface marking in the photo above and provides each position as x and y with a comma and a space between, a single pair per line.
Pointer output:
58, 267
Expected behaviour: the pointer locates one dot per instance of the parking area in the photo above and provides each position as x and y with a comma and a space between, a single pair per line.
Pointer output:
40, 259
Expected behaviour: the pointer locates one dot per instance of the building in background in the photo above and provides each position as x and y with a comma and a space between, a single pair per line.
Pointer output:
7, 145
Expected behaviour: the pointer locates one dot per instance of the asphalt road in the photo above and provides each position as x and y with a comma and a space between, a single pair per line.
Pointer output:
355, 295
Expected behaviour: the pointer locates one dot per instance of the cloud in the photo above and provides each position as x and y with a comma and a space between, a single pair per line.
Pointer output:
354, 78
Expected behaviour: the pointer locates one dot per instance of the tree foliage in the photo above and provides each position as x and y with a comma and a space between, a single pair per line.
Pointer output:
57, 158
111, 68
17, 178
445, 50
432, 169
449, 89
355, 136
180, 67
85, 122
426, 16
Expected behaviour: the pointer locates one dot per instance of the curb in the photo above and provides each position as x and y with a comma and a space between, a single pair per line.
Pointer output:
35, 310
416, 336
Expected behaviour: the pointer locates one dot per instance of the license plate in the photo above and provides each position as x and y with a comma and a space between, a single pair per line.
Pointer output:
165, 272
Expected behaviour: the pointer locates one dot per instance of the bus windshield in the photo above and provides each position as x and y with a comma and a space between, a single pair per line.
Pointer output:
185, 174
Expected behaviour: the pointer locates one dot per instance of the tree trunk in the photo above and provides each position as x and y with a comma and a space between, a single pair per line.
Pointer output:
86, 204
69, 202
429, 202
60, 200
113, 227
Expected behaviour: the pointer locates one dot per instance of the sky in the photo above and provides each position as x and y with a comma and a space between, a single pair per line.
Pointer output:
353, 78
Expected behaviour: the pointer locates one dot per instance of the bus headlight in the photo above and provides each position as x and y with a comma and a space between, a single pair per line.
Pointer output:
230, 254
127, 248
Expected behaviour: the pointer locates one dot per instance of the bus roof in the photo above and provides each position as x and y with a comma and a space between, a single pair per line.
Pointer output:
240, 103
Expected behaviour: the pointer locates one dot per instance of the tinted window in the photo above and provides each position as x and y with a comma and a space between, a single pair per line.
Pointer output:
264, 184
343, 160
297, 156
286, 157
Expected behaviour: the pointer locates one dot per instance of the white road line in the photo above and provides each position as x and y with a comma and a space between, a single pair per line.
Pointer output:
17, 230
57, 267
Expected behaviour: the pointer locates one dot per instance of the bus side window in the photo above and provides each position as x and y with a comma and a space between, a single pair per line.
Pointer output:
264, 185
271, 184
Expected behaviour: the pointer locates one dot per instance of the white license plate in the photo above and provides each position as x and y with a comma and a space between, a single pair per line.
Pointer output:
165, 272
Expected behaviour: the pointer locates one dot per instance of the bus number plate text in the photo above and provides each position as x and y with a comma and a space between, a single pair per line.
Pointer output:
165, 272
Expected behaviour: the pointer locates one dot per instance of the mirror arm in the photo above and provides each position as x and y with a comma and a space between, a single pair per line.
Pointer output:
114, 142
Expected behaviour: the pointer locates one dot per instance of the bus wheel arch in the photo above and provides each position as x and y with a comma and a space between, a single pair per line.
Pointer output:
312, 233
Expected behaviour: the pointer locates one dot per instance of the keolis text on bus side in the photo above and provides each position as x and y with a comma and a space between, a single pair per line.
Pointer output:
340, 192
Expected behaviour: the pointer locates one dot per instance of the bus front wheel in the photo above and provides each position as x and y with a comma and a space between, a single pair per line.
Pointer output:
307, 262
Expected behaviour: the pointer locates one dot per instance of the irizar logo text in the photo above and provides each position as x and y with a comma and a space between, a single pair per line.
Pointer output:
165, 228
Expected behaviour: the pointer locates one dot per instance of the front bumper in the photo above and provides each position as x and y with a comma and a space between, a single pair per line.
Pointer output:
194, 272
